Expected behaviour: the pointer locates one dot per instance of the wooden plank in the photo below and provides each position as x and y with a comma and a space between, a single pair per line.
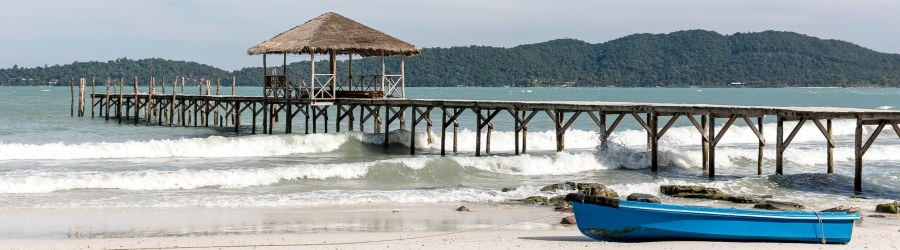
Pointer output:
724, 129
872, 138
615, 123
824, 132
896, 128
698, 126
667, 126
641, 121
787, 141
762, 140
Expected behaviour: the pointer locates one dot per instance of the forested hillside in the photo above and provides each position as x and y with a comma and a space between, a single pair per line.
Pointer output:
679, 59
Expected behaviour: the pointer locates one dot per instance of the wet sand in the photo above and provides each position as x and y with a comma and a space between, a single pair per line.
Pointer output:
422, 226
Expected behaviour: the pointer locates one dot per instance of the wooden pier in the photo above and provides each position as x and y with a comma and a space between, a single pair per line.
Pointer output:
226, 111
313, 94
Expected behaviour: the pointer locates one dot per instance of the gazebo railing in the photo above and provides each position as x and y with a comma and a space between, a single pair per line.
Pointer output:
392, 86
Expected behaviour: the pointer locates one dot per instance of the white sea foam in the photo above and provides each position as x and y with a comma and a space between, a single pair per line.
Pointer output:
210, 147
885, 107
560, 164
179, 179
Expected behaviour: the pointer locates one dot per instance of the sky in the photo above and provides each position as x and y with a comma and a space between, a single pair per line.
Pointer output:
47, 32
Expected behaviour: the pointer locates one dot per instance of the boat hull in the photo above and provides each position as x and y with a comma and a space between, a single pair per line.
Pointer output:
638, 221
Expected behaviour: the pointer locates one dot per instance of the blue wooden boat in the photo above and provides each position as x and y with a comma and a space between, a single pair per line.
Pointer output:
610, 219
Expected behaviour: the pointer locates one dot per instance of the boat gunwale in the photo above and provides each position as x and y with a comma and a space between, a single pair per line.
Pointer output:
736, 212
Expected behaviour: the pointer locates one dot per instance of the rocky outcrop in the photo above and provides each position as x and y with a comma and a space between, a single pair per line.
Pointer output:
891, 208
558, 201
701, 192
683, 190
596, 190
554, 187
507, 189
842, 209
535, 200
779, 206
643, 198
462, 209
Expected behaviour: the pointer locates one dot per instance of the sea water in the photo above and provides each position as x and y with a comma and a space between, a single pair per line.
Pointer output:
50, 161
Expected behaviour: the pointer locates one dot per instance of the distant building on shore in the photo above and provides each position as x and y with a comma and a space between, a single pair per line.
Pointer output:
52, 82
739, 84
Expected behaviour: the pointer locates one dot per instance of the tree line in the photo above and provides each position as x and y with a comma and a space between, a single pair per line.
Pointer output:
678, 59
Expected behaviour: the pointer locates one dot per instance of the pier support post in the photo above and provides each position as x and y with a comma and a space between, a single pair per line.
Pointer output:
712, 146
779, 140
428, 125
704, 141
604, 136
443, 130
288, 123
237, 117
830, 148
477, 130
759, 159
137, 102
387, 125
518, 124
525, 130
857, 148
72, 106
253, 129
412, 131
654, 124
560, 137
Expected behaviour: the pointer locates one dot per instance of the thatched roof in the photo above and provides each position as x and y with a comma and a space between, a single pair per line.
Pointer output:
332, 31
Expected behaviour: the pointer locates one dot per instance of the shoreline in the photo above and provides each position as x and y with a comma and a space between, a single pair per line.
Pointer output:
404, 226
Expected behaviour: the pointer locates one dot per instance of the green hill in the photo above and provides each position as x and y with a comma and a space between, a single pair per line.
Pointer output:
678, 59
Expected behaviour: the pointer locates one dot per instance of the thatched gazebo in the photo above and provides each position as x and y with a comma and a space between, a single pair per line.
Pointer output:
334, 35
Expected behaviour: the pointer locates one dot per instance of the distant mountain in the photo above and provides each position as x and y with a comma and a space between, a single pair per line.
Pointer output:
678, 59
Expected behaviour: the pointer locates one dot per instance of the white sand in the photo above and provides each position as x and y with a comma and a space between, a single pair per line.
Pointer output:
414, 227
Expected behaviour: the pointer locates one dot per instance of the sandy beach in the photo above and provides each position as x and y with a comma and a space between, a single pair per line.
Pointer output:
434, 226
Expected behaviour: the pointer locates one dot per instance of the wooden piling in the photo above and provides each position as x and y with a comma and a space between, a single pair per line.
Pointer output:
759, 159
477, 131
654, 140
136, 101
704, 141
72, 89
107, 98
830, 157
712, 146
92, 97
779, 140
857, 161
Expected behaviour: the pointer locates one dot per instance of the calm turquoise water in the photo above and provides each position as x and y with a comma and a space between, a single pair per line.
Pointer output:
49, 160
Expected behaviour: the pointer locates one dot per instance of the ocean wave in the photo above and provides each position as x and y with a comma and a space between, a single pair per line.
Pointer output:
210, 147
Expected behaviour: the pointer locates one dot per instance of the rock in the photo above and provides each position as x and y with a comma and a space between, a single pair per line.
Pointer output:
535, 200
596, 190
891, 208
859, 197
877, 216
679, 189
507, 189
562, 209
643, 198
564, 186
559, 200
724, 197
779, 205
462, 209
568, 220
842, 209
